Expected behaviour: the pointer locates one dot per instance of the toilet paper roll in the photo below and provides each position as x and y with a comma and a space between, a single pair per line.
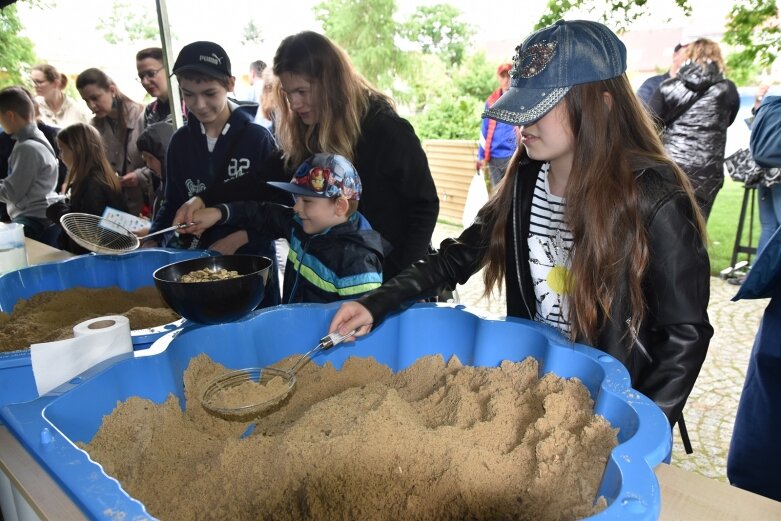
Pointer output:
94, 341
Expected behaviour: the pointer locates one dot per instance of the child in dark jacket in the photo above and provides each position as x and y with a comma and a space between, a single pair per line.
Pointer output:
219, 144
334, 253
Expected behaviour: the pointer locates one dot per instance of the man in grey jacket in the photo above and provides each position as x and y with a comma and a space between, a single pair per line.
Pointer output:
32, 167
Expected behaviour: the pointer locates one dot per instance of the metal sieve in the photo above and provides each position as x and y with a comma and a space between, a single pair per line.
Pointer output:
274, 385
103, 235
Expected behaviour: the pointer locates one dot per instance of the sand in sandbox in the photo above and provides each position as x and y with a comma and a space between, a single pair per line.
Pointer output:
249, 393
433, 442
51, 315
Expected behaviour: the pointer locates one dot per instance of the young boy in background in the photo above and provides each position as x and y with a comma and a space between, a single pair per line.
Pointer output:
32, 166
334, 253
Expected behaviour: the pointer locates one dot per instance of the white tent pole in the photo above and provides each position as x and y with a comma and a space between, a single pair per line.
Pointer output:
168, 60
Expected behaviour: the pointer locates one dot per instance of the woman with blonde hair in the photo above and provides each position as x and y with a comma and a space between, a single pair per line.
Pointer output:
325, 105
91, 184
695, 108
57, 108
594, 231
119, 122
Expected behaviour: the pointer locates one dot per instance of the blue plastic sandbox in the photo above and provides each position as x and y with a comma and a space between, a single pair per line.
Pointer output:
128, 271
48, 426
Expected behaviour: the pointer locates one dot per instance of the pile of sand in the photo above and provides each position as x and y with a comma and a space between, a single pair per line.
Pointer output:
433, 442
51, 315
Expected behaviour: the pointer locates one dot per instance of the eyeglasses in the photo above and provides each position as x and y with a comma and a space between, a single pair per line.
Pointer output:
39, 82
148, 75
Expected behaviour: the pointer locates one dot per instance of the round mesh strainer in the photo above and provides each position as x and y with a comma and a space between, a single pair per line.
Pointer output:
253, 391
103, 235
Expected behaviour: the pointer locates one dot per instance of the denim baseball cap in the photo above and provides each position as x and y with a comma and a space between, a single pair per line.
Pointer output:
324, 175
550, 62
204, 57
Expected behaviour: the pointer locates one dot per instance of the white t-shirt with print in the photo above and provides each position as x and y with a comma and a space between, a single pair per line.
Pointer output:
550, 244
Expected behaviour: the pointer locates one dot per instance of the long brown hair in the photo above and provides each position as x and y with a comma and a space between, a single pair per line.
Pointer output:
610, 243
341, 93
103, 81
89, 157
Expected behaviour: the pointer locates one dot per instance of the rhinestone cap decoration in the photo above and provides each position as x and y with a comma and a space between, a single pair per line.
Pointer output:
531, 61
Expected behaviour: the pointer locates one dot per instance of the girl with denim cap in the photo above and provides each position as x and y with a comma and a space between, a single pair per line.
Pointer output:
595, 231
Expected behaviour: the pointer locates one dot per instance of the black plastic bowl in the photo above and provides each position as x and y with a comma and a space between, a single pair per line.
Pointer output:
219, 301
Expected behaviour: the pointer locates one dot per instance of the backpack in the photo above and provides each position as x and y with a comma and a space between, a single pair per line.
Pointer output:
765, 141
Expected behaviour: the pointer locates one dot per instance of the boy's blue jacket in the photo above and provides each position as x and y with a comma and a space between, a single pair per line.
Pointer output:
342, 262
191, 168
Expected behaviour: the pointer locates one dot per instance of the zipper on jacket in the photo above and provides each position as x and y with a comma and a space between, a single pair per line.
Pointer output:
304, 248
516, 232
298, 271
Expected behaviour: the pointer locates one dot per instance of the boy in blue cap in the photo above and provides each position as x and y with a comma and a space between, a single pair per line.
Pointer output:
334, 253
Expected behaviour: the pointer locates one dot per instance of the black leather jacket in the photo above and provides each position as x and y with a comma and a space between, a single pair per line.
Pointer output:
665, 356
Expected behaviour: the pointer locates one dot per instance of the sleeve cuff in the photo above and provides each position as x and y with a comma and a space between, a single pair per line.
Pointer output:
225, 212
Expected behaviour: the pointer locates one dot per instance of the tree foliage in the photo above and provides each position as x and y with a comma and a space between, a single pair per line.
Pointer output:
251, 34
128, 23
450, 118
476, 77
367, 31
17, 51
617, 14
437, 30
753, 29
449, 105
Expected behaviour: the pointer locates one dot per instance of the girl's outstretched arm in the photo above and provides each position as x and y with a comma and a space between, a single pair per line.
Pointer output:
352, 315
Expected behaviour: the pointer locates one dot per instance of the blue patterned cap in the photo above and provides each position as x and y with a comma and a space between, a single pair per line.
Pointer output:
551, 61
324, 175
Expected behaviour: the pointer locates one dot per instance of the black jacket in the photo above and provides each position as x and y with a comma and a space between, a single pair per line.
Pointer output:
343, 262
696, 107
665, 356
154, 140
91, 197
399, 198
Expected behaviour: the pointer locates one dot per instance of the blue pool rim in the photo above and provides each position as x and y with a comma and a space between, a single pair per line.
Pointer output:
129, 271
48, 426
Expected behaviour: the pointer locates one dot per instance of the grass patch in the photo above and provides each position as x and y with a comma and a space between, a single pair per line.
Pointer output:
723, 226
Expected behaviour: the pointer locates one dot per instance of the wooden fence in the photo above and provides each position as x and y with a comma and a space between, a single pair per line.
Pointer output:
452, 164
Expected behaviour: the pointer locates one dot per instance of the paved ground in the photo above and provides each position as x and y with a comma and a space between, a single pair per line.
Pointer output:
710, 411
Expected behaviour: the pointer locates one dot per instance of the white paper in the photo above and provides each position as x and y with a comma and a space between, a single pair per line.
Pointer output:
124, 219
94, 341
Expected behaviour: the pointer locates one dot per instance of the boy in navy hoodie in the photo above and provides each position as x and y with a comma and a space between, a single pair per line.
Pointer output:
220, 143
334, 253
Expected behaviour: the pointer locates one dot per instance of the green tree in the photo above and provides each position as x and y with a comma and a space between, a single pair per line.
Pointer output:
753, 29
251, 34
476, 77
450, 118
437, 30
128, 22
425, 80
17, 51
367, 31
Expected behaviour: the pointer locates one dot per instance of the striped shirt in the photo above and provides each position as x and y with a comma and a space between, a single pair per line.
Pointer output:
550, 244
